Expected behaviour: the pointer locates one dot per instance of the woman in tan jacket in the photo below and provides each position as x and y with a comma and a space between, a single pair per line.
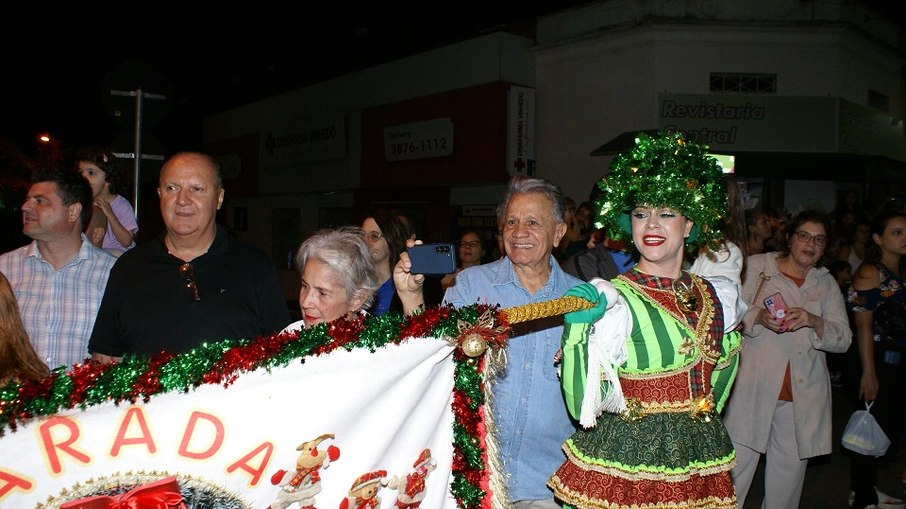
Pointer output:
781, 400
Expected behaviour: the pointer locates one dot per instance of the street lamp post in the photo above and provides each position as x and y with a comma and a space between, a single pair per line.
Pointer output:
137, 155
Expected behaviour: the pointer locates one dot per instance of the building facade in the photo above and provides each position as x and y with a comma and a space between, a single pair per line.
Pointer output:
806, 95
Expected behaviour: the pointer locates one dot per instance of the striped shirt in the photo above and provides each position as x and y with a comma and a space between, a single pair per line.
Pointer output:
58, 307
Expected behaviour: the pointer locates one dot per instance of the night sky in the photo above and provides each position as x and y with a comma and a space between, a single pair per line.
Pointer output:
59, 65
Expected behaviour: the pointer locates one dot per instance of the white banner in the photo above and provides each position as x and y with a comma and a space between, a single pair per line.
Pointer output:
322, 431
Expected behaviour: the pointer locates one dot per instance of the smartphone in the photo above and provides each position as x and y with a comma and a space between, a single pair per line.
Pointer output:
776, 306
433, 259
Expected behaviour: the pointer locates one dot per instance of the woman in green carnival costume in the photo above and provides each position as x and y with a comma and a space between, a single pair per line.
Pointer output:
648, 369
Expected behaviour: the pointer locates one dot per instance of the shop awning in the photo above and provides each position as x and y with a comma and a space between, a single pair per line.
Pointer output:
841, 167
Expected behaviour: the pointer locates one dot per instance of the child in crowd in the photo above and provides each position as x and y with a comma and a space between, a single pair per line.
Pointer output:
104, 176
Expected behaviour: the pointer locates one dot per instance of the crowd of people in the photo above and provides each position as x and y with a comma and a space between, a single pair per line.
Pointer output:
668, 391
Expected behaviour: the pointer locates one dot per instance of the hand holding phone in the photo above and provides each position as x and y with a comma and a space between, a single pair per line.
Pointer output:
777, 307
432, 259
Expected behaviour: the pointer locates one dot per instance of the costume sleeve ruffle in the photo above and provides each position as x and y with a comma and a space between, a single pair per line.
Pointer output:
727, 262
604, 353
734, 307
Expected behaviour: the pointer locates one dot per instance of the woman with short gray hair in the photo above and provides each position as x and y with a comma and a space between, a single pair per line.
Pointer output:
337, 274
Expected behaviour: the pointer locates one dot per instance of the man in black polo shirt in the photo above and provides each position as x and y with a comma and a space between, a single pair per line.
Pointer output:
194, 283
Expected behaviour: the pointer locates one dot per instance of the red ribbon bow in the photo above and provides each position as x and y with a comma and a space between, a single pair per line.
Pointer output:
163, 494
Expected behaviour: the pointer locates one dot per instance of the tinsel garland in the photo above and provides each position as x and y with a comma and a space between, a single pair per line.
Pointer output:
138, 378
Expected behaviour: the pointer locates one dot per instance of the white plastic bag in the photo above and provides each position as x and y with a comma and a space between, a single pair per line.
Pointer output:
863, 434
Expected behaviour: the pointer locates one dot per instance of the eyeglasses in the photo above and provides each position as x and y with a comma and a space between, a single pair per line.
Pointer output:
472, 243
372, 236
806, 237
187, 273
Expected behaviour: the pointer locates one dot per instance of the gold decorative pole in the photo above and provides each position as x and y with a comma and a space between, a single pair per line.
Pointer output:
562, 305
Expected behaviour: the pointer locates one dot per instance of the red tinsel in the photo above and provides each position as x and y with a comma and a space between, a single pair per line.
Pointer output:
148, 383
245, 358
422, 324
342, 332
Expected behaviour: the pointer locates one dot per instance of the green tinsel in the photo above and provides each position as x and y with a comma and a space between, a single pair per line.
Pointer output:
468, 380
58, 393
381, 328
120, 380
665, 170
469, 495
472, 454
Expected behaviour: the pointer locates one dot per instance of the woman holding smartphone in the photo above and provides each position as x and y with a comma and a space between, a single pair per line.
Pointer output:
781, 401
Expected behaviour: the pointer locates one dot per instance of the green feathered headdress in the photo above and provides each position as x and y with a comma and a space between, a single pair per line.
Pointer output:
666, 170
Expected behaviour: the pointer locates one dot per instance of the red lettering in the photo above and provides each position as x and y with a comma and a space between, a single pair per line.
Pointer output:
244, 462
58, 425
136, 414
10, 481
190, 430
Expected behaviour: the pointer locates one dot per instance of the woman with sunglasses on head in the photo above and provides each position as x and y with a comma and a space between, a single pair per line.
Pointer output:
877, 364
471, 253
781, 401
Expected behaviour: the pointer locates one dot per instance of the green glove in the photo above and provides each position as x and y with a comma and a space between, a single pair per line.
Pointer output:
588, 292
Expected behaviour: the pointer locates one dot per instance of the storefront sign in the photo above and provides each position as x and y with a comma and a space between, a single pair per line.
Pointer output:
305, 141
419, 140
781, 124
520, 131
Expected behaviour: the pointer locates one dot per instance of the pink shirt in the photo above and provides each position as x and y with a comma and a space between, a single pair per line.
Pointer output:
123, 211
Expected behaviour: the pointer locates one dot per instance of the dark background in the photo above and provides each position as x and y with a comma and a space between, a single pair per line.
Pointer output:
59, 64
